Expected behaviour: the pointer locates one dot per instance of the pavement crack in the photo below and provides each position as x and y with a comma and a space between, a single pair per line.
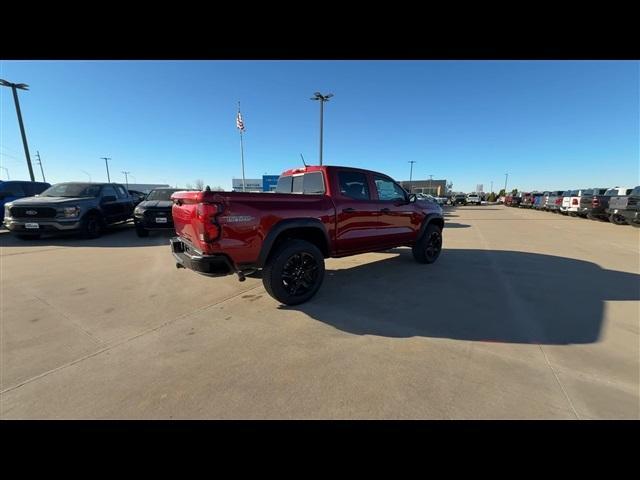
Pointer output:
555, 374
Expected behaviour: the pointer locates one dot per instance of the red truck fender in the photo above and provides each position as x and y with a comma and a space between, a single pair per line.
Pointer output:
434, 218
310, 229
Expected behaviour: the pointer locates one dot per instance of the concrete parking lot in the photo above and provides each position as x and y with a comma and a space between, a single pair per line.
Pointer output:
526, 315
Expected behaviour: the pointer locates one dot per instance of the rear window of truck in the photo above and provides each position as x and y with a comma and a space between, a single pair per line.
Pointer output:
311, 183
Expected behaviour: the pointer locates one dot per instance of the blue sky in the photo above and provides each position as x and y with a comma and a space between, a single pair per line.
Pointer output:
550, 124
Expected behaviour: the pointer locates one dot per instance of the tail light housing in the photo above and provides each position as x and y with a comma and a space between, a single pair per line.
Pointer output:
574, 201
207, 227
559, 201
595, 203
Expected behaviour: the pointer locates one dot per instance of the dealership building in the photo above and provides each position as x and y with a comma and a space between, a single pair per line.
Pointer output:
267, 183
431, 187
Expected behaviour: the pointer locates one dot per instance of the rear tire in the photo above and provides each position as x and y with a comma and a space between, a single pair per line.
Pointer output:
427, 249
294, 272
617, 219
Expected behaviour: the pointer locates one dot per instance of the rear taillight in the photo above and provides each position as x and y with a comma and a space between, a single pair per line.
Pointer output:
208, 229
559, 201
574, 201
595, 202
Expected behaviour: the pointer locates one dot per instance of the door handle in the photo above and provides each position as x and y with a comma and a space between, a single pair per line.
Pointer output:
348, 210
385, 210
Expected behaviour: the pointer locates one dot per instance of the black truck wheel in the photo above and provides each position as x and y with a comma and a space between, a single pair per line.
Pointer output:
428, 248
294, 272
92, 226
617, 219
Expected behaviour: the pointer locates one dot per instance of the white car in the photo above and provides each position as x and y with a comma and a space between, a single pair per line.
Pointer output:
473, 198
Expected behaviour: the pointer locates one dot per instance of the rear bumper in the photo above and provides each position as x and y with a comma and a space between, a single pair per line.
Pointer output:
210, 265
629, 215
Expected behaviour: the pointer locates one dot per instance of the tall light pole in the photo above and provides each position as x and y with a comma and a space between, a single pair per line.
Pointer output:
491, 186
15, 87
126, 178
411, 175
106, 162
40, 163
322, 98
506, 177
430, 178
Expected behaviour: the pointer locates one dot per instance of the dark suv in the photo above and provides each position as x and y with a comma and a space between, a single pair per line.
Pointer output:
87, 208
154, 213
14, 189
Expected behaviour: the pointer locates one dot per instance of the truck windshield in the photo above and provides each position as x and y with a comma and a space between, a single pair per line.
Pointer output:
161, 194
72, 190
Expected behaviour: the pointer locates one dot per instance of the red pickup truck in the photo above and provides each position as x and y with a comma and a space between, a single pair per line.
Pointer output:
317, 212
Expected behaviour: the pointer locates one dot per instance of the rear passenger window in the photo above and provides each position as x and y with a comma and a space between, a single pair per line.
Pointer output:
354, 185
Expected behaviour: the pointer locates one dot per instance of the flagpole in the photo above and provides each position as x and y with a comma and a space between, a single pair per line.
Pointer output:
241, 153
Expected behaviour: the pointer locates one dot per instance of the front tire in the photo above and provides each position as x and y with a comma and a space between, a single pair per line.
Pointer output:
92, 226
294, 272
427, 249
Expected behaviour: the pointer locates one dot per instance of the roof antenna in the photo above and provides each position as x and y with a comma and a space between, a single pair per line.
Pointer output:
303, 162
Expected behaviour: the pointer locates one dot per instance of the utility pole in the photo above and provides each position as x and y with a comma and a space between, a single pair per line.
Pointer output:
506, 177
430, 178
106, 162
126, 178
322, 98
40, 163
491, 186
15, 87
411, 176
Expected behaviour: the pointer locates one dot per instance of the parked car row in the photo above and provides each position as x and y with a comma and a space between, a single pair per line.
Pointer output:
619, 205
32, 208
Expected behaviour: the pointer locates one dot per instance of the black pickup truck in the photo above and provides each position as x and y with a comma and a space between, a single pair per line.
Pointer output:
154, 212
625, 208
86, 208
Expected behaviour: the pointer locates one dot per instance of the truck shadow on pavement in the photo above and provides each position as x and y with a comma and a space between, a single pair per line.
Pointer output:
122, 235
478, 295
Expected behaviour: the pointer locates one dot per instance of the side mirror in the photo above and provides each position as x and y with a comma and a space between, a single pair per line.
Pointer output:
412, 197
108, 198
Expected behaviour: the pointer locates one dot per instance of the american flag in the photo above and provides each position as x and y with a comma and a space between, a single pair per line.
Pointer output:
239, 122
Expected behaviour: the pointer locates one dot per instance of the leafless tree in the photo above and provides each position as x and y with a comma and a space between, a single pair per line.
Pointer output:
199, 184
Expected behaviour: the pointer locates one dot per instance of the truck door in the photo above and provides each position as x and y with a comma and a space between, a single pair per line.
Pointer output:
356, 213
125, 202
397, 220
109, 204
